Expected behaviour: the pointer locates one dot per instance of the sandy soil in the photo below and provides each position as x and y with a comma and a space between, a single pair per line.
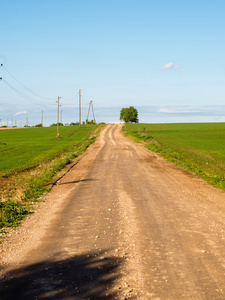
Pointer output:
123, 223
4, 128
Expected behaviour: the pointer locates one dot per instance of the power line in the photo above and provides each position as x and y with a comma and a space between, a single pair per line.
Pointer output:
24, 85
23, 95
70, 99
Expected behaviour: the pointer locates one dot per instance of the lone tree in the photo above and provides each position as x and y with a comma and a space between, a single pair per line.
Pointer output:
129, 115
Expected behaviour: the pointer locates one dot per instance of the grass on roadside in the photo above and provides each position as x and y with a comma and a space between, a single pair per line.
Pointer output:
21, 190
11, 213
25, 148
196, 147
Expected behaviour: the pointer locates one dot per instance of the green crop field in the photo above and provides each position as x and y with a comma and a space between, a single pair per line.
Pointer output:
199, 147
25, 148
30, 159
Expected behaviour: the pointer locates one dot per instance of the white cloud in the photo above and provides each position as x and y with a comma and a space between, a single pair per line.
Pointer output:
169, 66
21, 113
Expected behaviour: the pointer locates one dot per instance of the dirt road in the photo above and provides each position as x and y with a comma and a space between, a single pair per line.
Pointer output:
122, 224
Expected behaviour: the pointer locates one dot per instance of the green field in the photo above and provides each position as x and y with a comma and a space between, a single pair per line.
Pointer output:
30, 161
199, 147
25, 148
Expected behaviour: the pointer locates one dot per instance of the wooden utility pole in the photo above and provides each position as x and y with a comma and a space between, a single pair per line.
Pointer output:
58, 118
79, 108
91, 106
93, 113
88, 111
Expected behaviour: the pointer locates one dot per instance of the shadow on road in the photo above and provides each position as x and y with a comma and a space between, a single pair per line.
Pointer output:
76, 181
89, 276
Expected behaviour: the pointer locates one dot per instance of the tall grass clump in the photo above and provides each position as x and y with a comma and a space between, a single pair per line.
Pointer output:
11, 213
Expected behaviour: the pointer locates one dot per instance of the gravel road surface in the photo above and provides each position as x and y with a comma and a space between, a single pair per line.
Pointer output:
123, 223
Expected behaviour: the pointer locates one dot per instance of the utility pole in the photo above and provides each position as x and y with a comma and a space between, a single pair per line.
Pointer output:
93, 113
79, 108
1, 79
91, 106
58, 119
88, 111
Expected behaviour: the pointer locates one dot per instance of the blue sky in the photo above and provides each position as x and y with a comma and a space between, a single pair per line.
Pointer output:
166, 58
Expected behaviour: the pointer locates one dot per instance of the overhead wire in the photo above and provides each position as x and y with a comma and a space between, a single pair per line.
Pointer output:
23, 95
25, 86
30, 99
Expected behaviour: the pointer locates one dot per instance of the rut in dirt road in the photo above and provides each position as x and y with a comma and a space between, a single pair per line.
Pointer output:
122, 224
